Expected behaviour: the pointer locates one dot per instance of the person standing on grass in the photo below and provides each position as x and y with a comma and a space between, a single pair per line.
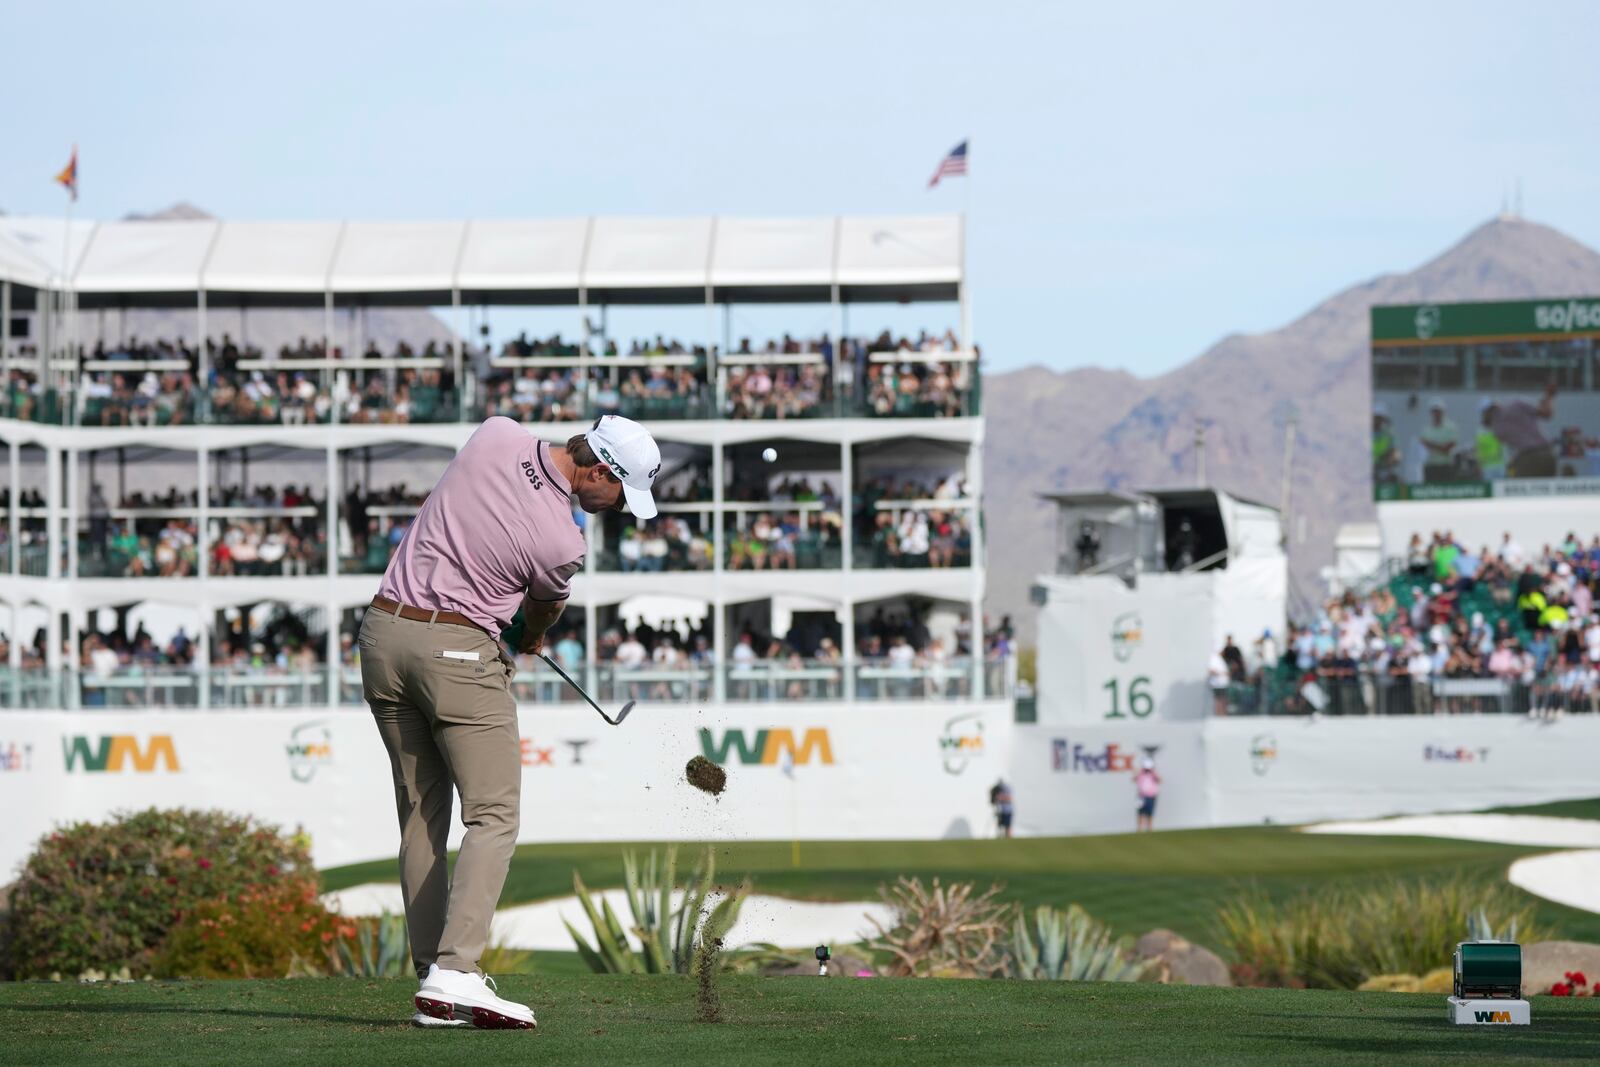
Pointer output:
497, 533
1004, 807
1148, 784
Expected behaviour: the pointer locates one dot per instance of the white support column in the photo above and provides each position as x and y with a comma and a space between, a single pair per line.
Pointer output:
76, 620
204, 362
52, 639
719, 625
13, 518
5, 321
591, 636
847, 534
847, 637
332, 493
335, 660
456, 359
52, 513
72, 512
202, 654
202, 535
975, 523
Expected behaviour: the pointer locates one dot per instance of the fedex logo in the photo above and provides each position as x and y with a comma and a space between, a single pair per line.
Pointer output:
1111, 759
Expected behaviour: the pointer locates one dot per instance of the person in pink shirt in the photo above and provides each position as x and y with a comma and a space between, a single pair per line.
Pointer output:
1148, 784
497, 533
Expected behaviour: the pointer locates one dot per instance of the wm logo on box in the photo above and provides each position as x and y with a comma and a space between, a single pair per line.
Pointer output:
1491, 1016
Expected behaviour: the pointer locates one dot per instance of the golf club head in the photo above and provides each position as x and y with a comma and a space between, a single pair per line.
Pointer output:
623, 714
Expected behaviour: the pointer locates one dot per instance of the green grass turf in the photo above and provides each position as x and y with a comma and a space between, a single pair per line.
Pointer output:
650, 1020
1566, 809
1133, 882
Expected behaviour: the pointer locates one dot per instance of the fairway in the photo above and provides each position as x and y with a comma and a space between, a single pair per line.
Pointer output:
1135, 883
650, 1020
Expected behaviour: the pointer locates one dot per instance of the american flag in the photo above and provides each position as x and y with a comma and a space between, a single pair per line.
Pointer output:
952, 164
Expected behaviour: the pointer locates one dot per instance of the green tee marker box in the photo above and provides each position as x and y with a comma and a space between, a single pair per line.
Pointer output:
1488, 985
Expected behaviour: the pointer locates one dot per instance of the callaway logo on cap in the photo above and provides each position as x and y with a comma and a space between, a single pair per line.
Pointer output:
631, 453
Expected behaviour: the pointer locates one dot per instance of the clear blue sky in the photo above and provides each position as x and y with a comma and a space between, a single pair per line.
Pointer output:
1146, 177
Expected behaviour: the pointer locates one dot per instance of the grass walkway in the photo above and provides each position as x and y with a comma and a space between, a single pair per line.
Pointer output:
1135, 883
606, 1020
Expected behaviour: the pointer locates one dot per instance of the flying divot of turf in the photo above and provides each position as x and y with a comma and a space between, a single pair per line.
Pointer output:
707, 1001
706, 776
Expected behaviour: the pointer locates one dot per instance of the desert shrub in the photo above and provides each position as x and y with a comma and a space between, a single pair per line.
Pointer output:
943, 933
377, 947
1338, 938
1072, 945
103, 896
273, 931
669, 938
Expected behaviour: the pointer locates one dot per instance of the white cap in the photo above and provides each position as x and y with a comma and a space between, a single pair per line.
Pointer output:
1436, 403
633, 456
1148, 764
1487, 402
1380, 410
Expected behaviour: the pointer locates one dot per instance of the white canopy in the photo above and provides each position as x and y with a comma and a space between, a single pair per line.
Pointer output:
611, 259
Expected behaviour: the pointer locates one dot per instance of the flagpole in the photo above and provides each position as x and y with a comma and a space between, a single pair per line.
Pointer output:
966, 221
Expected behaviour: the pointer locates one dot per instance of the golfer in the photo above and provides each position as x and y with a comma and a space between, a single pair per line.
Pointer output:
495, 534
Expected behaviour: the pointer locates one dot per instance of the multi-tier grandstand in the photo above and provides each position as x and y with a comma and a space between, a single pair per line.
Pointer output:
196, 521
263, 491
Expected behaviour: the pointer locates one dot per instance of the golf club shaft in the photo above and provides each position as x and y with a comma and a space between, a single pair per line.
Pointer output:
580, 690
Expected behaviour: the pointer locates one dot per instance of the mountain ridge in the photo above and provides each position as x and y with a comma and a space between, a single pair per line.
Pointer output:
1121, 431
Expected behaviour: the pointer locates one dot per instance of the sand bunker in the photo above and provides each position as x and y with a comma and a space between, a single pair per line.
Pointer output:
1538, 830
1570, 878
777, 920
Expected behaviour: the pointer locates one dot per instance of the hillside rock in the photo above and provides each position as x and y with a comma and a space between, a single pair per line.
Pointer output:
1092, 428
1544, 963
1177, 961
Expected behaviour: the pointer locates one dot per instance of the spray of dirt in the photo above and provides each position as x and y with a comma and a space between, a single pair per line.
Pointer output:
706, 776
707, 1000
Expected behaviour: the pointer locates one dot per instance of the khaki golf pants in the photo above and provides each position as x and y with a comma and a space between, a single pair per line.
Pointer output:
448, 721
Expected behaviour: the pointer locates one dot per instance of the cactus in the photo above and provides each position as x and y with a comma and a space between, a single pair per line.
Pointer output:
382, 950
668, 937
1068, 945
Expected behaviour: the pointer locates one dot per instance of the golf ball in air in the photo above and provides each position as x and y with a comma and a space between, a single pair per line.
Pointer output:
769, 454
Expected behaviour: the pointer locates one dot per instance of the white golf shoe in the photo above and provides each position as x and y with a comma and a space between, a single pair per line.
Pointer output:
449, 997
428, 1022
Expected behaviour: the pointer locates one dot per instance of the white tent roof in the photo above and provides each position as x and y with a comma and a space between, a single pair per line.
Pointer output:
616, 259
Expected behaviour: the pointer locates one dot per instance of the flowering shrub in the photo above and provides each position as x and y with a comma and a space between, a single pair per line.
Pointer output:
104, 896
273, 931
1576, 985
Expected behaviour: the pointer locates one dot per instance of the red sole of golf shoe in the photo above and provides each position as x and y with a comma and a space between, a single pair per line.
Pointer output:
482, 1018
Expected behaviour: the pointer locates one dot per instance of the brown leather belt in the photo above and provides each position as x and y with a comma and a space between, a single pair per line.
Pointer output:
416, 614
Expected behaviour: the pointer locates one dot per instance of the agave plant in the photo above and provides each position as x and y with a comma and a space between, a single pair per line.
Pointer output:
1479, 928
668, 937
942, 932
381, 950
1069, 945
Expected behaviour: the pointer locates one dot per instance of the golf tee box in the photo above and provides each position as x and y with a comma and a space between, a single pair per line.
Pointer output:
1488, 985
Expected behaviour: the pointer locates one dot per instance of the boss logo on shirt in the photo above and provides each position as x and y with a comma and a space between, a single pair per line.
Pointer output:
532, 474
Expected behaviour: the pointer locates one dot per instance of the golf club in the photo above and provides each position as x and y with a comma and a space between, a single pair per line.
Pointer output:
623, 714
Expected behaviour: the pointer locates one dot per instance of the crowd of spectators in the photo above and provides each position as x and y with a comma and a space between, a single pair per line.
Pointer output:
919, 536
242, 384
1500, 613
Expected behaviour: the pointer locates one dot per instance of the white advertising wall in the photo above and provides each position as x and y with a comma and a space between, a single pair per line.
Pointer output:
1303, 770
825, 773
1079, 779
1245, 771
1109, 654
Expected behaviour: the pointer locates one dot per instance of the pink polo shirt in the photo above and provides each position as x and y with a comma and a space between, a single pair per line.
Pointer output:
498, 525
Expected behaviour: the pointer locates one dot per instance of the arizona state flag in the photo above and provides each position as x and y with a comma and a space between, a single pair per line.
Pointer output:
69, 175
